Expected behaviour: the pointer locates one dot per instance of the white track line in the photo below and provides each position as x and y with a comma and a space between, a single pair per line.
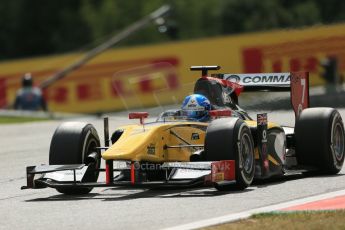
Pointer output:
246, 214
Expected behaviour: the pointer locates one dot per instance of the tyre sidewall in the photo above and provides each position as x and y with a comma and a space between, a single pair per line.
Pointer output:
243, 178
335, 163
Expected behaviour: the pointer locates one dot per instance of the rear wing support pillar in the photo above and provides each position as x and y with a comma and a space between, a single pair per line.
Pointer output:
262, 143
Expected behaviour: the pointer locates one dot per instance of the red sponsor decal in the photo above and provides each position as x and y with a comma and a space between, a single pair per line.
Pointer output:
223, 170
220, 113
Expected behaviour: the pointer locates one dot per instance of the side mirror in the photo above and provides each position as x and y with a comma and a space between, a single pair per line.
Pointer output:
138, 115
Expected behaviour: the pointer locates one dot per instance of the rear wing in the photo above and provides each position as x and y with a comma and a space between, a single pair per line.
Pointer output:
295, 82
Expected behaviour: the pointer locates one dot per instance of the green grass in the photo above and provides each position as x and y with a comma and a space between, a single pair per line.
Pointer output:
13, 120
303, 220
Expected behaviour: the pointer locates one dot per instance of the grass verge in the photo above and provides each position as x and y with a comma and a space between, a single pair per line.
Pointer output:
12, 120
316, 220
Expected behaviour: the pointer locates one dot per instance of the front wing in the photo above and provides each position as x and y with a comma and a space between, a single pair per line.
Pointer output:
178, 174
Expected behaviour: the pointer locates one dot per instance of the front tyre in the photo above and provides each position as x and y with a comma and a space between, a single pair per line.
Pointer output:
76, 143
231, 139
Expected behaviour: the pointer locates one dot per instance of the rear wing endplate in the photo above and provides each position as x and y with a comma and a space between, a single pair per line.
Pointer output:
295, 82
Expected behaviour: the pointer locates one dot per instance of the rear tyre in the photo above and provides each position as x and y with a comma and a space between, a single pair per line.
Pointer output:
320, 140
231, 139
75, 143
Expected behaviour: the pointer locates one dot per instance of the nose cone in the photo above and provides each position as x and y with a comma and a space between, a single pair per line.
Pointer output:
134, 145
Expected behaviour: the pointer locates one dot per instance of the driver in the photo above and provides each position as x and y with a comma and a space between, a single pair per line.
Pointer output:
196, 107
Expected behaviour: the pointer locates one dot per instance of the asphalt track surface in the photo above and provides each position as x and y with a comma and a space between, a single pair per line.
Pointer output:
122, 208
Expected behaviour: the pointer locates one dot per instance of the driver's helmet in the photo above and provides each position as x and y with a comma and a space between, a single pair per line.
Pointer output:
196, 107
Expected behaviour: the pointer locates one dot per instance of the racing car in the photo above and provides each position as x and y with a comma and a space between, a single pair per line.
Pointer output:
227, 152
